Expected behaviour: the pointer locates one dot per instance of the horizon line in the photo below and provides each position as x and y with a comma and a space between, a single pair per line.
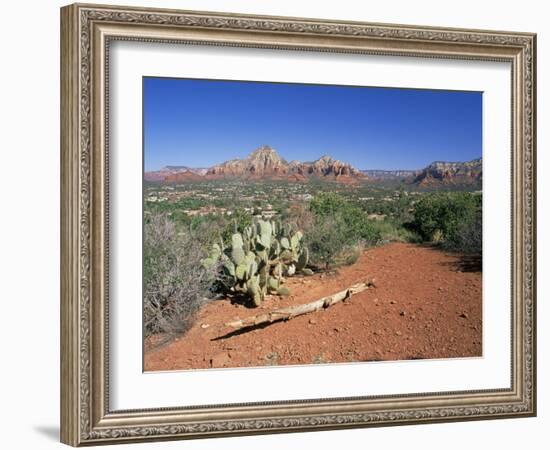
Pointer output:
303, 162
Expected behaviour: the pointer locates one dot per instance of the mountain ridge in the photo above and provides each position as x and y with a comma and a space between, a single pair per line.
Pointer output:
442, 172
266, 163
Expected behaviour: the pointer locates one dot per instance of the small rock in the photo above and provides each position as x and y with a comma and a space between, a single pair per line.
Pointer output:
312, 321
464, 315
204, 325
398, 333
393, 302
402, 313
220, 360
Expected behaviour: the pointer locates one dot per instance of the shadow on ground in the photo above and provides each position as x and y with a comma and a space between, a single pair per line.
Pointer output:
51, 432
242, 331
467, 263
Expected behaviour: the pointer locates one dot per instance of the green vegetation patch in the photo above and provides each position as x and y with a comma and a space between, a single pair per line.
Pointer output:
452, 218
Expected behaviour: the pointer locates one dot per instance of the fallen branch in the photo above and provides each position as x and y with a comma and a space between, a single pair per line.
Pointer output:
293, 311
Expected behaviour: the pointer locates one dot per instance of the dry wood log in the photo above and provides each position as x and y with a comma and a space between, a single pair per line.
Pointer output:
293, 311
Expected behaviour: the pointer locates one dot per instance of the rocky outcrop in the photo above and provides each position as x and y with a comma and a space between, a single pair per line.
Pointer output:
440, 172
436, 174
265, 163
326, 166
261, 163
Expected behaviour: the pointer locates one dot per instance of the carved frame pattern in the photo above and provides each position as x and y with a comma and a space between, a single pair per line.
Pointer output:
86, 419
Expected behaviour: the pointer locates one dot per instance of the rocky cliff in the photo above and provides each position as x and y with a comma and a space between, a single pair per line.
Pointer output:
265, 163
440, 172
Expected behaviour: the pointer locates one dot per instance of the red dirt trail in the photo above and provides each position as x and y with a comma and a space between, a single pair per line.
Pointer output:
426, 305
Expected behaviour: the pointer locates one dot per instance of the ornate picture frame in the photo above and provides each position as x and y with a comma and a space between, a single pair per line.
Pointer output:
87, 31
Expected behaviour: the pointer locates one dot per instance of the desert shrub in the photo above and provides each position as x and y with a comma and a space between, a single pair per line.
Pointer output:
301, 216
444, 212
452, 218
325, 242
355, 225
328, 204
175, 284
339, 227
467, 236
393, 231
401, 206
205, 229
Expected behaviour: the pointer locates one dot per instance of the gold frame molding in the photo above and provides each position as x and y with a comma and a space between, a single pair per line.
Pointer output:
86, 31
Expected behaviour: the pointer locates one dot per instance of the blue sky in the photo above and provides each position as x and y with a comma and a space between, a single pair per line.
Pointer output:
199, 123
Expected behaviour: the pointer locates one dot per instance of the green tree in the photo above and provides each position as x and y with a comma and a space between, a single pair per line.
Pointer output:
453, 217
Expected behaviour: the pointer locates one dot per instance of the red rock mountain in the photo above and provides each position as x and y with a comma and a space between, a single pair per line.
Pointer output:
440, 172
265, 163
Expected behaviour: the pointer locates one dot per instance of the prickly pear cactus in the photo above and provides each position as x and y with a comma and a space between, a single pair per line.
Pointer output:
256, 261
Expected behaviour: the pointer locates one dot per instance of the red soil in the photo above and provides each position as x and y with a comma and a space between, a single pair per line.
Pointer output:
426, 304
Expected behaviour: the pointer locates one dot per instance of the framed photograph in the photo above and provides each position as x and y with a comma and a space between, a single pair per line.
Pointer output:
276, 224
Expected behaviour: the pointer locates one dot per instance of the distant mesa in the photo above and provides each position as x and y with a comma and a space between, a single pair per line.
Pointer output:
186, 175
265, 163
170, 171
441, 172
390, 175
438, 173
